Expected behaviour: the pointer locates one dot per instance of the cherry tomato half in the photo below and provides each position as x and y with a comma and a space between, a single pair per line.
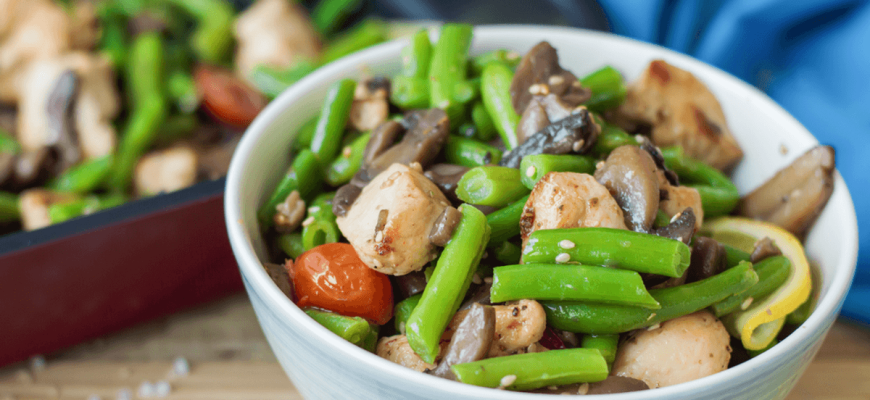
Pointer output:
227, 97
332, 277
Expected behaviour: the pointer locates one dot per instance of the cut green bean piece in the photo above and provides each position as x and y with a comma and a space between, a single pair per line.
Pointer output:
352, 329
447, 68
469, 152
402, 311
535, 370
271, 82
304, 175
634, 251
662, 220
800, 314
9, 207
607, 86
675, 302
212, 40
448, 284
417, 56
718, 194
772, 273
370, 341
291, 244
508, 253
409, 92
328, 15
182, 91
495, 85
734, 256
491, 186
8, 144
61, 212
305, 135
367, 33
570, 282
505, 223
506, 57
347, 163
333, 118
606, 344
319, 226
610, 138
483, 122
534, 167
85, 177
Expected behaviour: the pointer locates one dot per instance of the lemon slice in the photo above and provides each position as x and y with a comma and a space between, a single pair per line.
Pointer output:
759, 324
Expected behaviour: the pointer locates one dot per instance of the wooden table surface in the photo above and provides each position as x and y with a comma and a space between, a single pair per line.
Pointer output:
230, 360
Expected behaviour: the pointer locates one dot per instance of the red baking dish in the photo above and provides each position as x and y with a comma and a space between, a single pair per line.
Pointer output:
92, 275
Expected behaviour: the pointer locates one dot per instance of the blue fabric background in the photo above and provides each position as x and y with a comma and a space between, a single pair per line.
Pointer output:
812, 57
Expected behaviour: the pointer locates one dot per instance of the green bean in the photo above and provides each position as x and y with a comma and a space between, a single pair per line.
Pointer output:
175, 128
305, 176
305, 134
535, 166
448, 284
113, 39
402, 310
60, 212
607, 86
85, 177
320, 227
469, 152
772, 273
447, 68
417, 55
491, 186
328, 15
506, 57
535, 370
570, 282
465, 92
271, 82
409, 92
662, 219
9, 207
800, 314
634, 251
606, 344
212, 40
485, 127
675, 302
495, 91
291, 244
505, 223
756, 353
343, 168
508, 253
367, 33
611, 137
181, 89
352, 329
333, 117
8, 144
370, 340
734, 256
718, 194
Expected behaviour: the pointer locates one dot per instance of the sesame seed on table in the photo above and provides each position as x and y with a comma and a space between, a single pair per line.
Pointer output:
218, 351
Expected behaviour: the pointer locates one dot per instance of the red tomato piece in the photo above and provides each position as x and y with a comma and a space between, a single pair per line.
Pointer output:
227, 97
332, 277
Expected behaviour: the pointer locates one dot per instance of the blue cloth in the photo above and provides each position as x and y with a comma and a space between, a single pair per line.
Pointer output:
812, 57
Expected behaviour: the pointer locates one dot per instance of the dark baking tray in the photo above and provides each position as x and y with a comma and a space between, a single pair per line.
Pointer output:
92, 275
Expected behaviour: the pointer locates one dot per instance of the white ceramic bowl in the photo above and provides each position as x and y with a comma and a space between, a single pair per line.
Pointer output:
324, 366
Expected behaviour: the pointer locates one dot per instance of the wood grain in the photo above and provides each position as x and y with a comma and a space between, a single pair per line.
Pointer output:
230, 360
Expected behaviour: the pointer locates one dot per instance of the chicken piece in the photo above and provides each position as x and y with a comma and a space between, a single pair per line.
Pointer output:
396, 349
165, 170
370, 107
680, 350
682, 112
34, 204
518, 325
569, 200
84, 27
389, 223
275, 33
31, 29
678, 198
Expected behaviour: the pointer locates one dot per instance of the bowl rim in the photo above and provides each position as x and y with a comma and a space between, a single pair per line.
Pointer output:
254, 274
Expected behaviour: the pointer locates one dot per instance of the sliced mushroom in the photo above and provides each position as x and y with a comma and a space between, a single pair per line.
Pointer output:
34, 204
411, 284
680, 111
370, 107
764, 248
426, 132
165, 171
540, 66
444, 225
344, 198
617, 384
289, 213
479, 296
708, 259
681, 228
573, 134
61, 133
533, 119
518, 325
446, 177
470, 342
796, 195
7, 167
629, 173
279, 275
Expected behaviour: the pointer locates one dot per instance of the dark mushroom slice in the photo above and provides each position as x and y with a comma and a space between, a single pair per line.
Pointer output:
796, 195
61, 132
446, 177
281, 278
617, 384
681, 228
444, 225
7, 167
471, 341
479, 296
145, 22
708, 259
540, 66
8, 119
540, 112
629, 173
411, 284
344, 198
764, 248
659, 159
573, 134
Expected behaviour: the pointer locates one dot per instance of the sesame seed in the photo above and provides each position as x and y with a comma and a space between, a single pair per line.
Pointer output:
551, 387
314, 209
379, 237
415, 166
566, 244
308, 221
654, 327
402, 327
583, 389
507, 380
563, 258
530, 171
488, 279
578, 145
476, 279
599, 165
746, 303
555, 80
639, 138
783, 150
346, 152
651, 316
677, 215
512, 55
